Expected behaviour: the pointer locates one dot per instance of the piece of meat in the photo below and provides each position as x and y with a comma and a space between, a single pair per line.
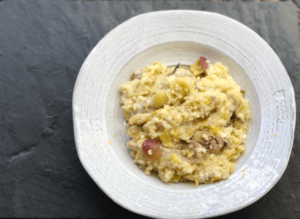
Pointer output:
214, 147
213, 144
218, 144
197, 149
226, 143
200, 137
183, 145
194, 143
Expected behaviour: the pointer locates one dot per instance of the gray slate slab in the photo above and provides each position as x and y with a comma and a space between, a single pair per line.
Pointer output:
42, 46
297, 2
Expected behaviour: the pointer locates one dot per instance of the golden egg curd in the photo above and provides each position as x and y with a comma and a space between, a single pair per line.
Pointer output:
186, 123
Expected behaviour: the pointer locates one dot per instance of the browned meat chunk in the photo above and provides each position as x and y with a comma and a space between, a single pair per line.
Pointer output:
213, 144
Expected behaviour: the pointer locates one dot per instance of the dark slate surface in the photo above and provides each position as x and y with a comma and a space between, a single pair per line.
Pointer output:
42, 46
297, 2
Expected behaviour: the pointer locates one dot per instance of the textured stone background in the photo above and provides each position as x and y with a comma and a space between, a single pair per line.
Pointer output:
42, 46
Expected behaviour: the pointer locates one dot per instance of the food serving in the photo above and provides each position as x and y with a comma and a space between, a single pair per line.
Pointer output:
186, 123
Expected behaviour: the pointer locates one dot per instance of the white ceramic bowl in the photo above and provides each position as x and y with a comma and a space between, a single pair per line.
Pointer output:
171, 37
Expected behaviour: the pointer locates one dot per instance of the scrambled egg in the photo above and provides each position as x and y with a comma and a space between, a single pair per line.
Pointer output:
187, 125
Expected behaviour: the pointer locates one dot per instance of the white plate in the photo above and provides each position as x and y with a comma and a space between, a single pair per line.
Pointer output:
171, 37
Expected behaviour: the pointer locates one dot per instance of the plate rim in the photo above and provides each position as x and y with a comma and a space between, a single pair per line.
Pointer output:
241, 25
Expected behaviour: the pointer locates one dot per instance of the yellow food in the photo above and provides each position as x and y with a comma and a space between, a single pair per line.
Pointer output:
199, 116
160, 99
